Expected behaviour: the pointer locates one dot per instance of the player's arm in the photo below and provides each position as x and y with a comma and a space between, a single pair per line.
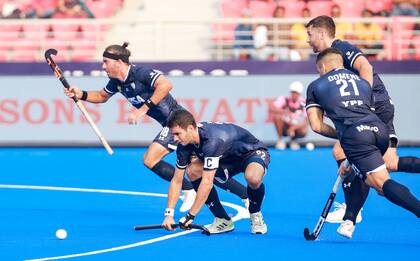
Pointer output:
365, 69
162, 88
90, 96
203, 191
173, 195
316, 120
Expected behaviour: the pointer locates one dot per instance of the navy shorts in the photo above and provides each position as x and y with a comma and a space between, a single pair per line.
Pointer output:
166, 139
364, 144
228, 170
385, 111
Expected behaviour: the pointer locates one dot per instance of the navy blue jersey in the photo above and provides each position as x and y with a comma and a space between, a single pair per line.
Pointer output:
350, 53
220, 143
343, 95
138, 87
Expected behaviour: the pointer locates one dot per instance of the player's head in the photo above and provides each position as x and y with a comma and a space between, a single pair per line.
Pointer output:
183, 126
321, 31
115, 57
329, 59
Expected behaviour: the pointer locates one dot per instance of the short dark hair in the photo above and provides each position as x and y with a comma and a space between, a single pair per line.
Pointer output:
181, 118
323, 21
328, 51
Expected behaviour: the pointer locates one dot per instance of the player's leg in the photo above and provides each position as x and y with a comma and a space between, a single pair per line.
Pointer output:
255, 168
355, 194
222, 222
395, 192
162, 145
385, 111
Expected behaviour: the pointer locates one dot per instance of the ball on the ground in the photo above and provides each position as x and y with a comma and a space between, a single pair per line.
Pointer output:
61, 234
310, 146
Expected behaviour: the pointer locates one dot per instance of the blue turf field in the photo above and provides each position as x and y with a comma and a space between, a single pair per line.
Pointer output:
297, 185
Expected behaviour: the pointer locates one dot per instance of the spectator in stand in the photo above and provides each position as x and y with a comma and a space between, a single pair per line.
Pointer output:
279, 36
405, 8
371, 34
42, 9
11, 9
69, 9
243, 39
342, 30
299, 36
290, 117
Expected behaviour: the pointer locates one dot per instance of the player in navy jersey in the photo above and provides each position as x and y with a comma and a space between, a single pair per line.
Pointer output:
321, 35
216, 151
347, 100
149, 92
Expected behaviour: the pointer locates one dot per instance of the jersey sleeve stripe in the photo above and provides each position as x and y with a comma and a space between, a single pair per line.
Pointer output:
312, 105
354, 59
181, 167
154, 79
108, 91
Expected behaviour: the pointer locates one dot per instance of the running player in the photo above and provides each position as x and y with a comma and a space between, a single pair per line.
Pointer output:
222, 150
321, 35
148, 91
347, 100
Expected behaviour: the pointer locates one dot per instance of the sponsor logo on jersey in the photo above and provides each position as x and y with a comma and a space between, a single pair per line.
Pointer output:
349, 54
363, 127
352, 103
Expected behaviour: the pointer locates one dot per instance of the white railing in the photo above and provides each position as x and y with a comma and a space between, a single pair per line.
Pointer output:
182, 40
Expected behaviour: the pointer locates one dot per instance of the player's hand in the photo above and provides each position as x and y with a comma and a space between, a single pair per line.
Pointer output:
134, 117
168, 222
344, 169
184, 222
73, 91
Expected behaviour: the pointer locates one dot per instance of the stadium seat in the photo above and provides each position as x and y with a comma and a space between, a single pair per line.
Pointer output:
225, 32
232, 8
377, 6
262, 8
352, 8
24, 56
293, 8
416, 45
66, 31
319, 7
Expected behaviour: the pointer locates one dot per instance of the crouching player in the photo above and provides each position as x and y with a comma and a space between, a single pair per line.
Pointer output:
347, 100
209, 151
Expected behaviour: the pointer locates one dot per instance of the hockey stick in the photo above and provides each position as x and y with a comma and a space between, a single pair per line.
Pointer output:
203, 229
324, 213
59, 75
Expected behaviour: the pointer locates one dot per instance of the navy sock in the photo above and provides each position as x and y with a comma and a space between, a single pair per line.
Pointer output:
166, 171
401, 196
255, 198
234, 187
213, 202
355, 195
409, 164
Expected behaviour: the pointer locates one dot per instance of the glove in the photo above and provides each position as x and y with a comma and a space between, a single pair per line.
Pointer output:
184, 222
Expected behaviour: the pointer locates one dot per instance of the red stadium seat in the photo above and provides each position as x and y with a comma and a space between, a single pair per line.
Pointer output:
225, 32
416, 45
262, 8
232, 8
377, 6
352, 8
319, 7
24, 56
293, 8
